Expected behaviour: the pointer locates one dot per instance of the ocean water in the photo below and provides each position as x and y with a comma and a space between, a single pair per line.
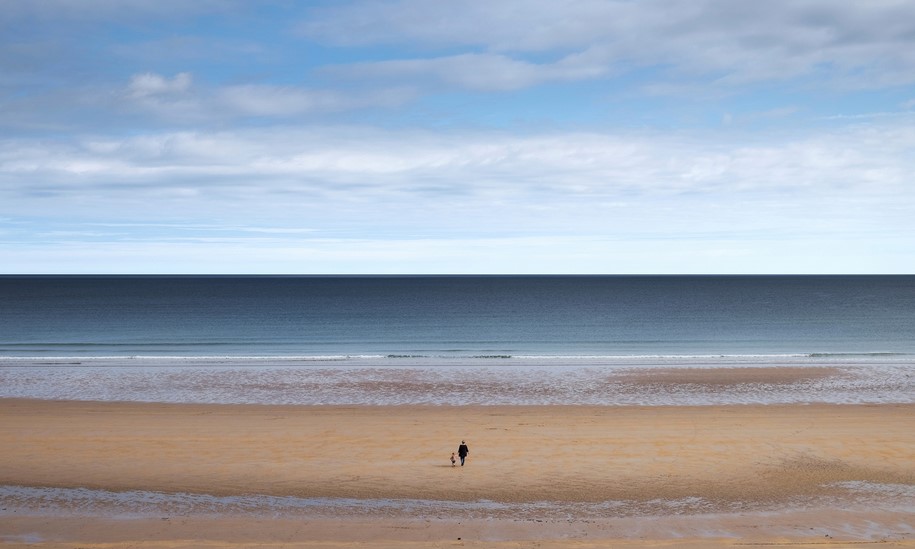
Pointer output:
455, 316
453, 340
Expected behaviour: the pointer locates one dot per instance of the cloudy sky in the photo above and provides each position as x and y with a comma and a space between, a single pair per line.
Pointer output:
461, 136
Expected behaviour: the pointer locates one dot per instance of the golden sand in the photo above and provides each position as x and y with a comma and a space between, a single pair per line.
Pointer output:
757, 460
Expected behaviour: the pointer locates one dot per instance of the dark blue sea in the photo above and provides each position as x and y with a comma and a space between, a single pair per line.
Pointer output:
320, 339
455, 316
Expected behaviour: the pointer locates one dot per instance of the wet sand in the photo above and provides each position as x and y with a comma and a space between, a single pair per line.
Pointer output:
673, 476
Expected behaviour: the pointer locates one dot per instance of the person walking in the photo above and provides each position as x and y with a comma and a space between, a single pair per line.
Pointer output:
463, 451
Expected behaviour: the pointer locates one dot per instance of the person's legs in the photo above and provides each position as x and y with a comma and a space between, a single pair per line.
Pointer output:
462, 460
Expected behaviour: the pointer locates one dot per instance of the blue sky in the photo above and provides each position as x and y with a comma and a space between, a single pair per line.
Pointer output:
416, 136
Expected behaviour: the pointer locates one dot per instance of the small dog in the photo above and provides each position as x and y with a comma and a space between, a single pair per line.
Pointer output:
453, 461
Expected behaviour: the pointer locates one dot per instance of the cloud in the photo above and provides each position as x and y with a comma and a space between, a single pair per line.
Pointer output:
150, 84
356, 166
268, 100
175, 98
481, 72
760, 116
359, 199
854, 44
93, 11
262, 100
498, 26
268, 139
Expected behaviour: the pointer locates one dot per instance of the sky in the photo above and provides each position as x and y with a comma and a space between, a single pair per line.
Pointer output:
457, 137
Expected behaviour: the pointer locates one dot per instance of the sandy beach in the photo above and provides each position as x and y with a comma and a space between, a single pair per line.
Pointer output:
565, 476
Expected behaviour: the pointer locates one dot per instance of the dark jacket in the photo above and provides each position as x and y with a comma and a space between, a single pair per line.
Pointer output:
463, 450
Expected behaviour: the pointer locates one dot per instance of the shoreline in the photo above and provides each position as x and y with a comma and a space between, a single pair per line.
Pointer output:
469, 382
563, 475
408, 358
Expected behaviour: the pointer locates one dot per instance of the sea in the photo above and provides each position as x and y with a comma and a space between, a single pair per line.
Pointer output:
454, 340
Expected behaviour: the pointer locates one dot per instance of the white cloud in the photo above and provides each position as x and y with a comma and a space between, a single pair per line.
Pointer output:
483, 72
356, 199
499, 26
275, 100
272, 166
174, 99
151, 84
177, 100
855, 44
361, 169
